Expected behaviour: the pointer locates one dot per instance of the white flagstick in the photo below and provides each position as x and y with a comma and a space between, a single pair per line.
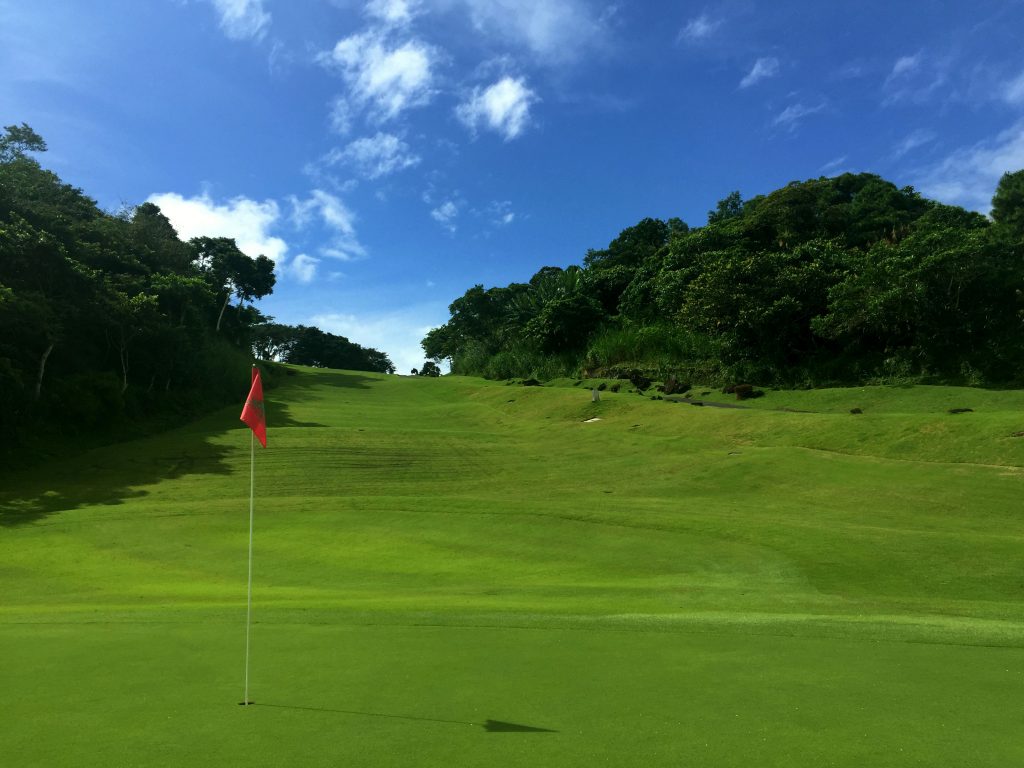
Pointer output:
248, 611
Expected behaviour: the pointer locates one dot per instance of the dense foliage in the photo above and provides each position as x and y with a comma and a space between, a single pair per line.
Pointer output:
307, 345
106, 318
833, 280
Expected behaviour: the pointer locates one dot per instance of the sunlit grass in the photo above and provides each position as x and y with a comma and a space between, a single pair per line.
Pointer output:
669, 584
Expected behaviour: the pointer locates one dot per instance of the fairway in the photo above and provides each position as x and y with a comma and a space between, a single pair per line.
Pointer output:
461, 572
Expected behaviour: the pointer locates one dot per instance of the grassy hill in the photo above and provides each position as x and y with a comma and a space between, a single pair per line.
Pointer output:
461, 572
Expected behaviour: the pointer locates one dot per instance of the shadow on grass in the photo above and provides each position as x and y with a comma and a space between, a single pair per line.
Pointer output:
301, 380
111, 475
491, 726
106, 476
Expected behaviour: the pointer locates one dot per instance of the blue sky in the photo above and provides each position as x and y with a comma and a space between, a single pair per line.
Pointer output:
390, 154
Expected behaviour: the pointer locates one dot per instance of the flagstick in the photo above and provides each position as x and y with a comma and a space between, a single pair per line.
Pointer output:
248, 611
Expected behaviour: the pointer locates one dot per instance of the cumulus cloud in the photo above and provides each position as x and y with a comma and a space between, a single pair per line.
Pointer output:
242, 19
699, 28
247, 221
968, 177
762, 70
445, 214
302, 268
383, 77
792, 115
396, 12
503, 107
375, 156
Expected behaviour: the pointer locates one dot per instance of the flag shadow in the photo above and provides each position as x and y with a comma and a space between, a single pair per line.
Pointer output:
490, 726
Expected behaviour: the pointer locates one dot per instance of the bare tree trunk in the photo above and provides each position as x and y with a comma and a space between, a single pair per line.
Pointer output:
42, 369
124, 363
223, 307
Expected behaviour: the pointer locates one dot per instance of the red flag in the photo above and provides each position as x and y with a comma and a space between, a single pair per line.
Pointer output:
253, 414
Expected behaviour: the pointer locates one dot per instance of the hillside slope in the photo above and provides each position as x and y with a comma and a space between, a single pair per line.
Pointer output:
666, 583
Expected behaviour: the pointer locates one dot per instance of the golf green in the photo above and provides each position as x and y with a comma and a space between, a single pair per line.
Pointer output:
460, 572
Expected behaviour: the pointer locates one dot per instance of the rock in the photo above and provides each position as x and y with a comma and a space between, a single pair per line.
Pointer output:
674, 387
856, 411
639, 381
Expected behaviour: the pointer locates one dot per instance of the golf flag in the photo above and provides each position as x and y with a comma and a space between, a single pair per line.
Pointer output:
253, 414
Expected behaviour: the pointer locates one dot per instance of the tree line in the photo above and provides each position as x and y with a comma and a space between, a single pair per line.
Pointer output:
829, 281
110, 317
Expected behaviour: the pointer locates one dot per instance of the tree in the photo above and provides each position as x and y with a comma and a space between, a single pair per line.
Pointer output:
1008, 203
230, 272
565, 323
153, 235
729, 207
17, 140
632, 247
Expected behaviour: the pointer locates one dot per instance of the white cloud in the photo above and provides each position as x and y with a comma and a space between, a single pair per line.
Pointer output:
375, 156
791, 116
332, 213
1013, 91
915, 79
445, 214
398, 334
904, 65
969, 176
500, 213
247, 221
503, 107
341, 116
762, 70
833, 165
242, 19
384, 78
396, 12
554, 32
851, 70
302, 268
699, 28
916, 139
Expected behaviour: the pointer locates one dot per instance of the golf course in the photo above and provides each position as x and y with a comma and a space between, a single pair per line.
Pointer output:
460, 572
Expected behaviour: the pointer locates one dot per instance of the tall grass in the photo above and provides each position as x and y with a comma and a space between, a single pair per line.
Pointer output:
660, 348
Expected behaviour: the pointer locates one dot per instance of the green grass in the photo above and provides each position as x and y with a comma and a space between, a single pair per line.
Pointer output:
669, 585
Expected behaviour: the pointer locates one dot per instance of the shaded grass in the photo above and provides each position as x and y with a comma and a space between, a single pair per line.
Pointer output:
666, 585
